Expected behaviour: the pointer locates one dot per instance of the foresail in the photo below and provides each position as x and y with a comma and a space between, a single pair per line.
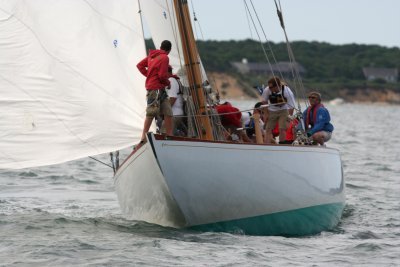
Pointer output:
69, 86
161, 19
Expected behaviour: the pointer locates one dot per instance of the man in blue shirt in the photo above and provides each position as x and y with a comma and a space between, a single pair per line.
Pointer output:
317, 120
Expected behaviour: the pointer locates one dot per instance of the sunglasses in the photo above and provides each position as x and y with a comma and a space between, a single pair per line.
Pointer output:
312, 97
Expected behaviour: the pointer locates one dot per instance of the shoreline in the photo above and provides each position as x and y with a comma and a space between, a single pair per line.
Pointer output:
230, 88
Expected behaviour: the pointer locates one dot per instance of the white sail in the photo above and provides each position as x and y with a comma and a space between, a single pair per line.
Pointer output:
161, 19
69, 86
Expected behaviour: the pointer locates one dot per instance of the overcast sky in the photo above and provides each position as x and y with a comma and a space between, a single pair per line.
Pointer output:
332, 21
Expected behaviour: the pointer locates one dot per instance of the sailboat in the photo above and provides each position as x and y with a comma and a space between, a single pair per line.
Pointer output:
70, 89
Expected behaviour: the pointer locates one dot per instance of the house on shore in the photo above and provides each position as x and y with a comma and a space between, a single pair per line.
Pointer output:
389, 75
280, 68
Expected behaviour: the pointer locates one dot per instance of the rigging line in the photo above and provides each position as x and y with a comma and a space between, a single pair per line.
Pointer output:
266, 39
186, 21
203, 74
195, 27
239, 111
214, 82
202, 71
279, 11
141, 22
197, 37
290, 53
191, 119
67, 65
259, 38
294, 69
195, 105
191, 109
248, 20
112, 161
196, 20
200, 28
174, 28
195, 118
101, 162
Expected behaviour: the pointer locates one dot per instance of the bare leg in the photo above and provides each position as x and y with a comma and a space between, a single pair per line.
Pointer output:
169, 125
244, 137
268, 137
146, 127
319, 138
282, 135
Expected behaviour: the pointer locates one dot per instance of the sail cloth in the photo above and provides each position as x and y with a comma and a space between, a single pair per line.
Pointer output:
69, 86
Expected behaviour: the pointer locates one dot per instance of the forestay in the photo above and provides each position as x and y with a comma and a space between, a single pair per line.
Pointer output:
69, 86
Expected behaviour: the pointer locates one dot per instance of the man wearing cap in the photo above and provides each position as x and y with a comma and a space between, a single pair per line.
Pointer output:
317, 120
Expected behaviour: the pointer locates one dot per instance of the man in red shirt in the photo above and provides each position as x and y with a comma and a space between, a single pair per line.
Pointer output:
230, 118
155, 68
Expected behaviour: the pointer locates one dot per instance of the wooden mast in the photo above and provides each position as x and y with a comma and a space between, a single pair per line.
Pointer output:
192, 65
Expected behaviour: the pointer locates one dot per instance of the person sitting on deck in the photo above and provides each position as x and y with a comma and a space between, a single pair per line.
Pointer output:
231, 119
291, 131
248, 121
317, 120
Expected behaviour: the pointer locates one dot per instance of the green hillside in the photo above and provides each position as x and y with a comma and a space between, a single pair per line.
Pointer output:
328, 67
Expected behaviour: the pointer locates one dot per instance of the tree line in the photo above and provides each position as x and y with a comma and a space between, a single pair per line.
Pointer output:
322, 61
326, 65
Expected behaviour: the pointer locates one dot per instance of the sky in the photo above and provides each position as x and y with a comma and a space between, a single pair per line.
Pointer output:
333, 21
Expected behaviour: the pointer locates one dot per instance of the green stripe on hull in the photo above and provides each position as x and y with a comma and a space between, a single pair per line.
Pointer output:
300, 222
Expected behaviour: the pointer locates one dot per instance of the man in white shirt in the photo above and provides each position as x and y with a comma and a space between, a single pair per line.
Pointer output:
176, 99
281, 104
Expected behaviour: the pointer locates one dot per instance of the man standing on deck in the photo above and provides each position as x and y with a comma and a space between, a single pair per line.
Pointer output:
155, 68
175, 95
317, 120
281, 104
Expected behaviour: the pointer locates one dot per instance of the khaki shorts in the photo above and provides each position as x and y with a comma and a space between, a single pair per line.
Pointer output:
158, 103
277, 116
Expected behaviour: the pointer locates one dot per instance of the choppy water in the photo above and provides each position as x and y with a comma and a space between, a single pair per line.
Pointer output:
68, 214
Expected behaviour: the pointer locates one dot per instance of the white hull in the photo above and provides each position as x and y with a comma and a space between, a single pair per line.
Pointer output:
186, 183
142, 191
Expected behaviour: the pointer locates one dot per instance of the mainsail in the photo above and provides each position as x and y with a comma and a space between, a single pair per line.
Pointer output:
69, 86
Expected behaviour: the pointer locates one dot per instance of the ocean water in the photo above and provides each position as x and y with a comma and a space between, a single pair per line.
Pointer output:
68, 214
